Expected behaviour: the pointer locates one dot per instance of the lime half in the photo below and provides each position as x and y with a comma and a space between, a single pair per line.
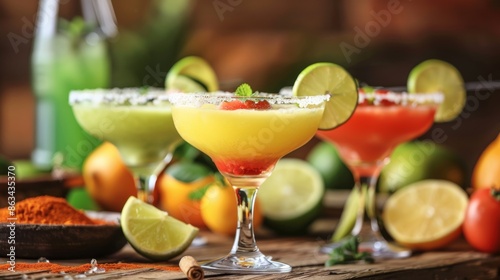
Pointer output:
192, 74
291, 198
153, 233
328, 78
433, 76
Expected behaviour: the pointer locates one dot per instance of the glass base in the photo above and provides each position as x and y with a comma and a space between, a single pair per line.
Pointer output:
199, 241
378, 249
247, 265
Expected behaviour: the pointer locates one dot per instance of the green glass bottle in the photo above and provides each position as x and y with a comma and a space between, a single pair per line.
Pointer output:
67, 55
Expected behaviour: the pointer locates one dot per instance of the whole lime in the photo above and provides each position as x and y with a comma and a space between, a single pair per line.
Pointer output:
419, 160
325, 158
26, 169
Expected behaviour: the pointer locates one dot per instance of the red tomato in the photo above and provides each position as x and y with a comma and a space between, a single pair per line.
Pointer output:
482, 221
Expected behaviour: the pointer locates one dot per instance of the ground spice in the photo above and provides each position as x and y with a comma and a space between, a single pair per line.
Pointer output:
57, 268
47, 210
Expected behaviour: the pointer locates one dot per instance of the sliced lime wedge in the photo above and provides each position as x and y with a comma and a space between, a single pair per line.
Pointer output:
329, 78
192, 74
348, 217
153, 233
291, 198
433, 76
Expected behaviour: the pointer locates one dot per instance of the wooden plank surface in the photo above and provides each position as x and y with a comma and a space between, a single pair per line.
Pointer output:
456, 262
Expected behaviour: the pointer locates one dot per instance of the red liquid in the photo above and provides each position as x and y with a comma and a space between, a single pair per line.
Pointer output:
241, 167
367, 139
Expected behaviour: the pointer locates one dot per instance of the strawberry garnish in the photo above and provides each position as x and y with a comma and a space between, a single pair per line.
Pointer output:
247, 104
233, 105
384, 102
262, 105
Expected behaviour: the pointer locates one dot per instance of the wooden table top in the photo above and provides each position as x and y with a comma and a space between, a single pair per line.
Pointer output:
457, 261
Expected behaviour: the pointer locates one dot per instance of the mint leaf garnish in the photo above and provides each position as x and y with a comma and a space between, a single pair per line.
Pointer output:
244, 90
348, 252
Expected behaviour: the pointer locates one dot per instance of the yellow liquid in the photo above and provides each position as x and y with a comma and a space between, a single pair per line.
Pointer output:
257, 137
143, 134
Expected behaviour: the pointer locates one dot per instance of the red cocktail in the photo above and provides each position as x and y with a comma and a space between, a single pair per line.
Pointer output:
381, 121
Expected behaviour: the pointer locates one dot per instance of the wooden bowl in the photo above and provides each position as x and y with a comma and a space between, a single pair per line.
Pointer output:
33, 241
42, 185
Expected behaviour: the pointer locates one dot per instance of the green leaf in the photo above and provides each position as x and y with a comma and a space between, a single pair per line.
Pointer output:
199, 193
188, 172
348, 252
244, 90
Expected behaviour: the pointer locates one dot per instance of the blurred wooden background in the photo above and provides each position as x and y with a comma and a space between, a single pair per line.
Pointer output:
267, 43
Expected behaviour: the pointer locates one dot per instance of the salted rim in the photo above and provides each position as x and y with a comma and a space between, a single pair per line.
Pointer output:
403, 98
198, 99
117, 96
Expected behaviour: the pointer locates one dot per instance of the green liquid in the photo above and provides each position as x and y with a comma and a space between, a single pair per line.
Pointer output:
144, 135
61, 64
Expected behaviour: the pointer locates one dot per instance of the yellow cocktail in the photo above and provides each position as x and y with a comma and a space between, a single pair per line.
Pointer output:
246, 142
245, 137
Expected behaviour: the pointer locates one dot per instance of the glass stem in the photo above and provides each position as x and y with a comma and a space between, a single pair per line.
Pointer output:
244, 241
146, 180
366, 188
143, 184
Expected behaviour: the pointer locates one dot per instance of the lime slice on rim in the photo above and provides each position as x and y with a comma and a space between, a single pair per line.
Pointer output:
291, 198
153, 233
192, 74
322, 78
433, 76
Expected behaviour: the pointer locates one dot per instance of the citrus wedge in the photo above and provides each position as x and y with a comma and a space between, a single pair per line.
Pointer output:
433, 76
328, 78
426, 215
348, 217
152, 232
192, 74
291, 198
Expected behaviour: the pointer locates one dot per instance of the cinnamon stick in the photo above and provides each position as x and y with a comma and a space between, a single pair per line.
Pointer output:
191, 268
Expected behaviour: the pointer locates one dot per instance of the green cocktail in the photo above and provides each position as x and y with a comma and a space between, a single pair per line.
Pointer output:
136, 122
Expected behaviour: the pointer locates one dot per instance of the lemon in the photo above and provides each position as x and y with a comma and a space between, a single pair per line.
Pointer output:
192, 74
426, 215
328, 78
291, 198
433, 76
153, 233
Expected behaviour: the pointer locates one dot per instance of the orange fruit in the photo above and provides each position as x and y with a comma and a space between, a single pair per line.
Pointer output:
181, 189
218, 209
107, 179
486, 173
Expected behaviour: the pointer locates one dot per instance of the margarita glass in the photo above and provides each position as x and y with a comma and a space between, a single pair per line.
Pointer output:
137, 122
245, 144
381, 121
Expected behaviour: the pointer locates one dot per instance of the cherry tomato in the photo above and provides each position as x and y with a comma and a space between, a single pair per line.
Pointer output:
482, 220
